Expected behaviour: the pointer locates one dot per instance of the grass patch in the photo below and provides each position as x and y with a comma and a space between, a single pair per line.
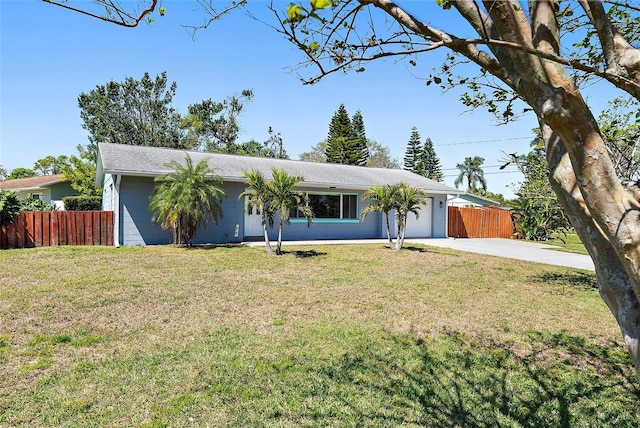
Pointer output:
571, 244
338, 335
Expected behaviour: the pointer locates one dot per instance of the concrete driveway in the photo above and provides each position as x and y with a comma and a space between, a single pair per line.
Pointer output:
513, 249
509, 248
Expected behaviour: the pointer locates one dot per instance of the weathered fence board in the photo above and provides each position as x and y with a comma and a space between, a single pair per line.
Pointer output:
480, 223
43, 229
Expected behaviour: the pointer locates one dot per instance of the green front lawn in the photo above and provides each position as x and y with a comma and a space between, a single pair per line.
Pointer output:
571, 244
336, 335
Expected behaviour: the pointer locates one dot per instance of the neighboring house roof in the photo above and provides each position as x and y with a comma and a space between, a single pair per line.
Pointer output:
152, 161
32, 183
476, 199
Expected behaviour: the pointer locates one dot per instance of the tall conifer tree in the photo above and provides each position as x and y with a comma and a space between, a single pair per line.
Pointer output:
429, 162
340, 133
413, 152
347, 140
359, 153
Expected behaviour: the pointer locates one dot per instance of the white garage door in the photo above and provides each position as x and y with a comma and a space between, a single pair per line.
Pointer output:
420, 227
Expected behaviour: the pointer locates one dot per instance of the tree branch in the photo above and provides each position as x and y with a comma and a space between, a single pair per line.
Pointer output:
214, 14
109, 5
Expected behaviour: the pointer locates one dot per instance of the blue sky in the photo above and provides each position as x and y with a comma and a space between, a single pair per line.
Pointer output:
49, 56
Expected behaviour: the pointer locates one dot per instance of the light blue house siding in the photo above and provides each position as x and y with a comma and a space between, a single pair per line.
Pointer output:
136, 228
335, 192
60, 190
439, 217
108, 197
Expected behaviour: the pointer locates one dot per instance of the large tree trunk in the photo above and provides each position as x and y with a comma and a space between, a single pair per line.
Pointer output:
614, 283
605, 215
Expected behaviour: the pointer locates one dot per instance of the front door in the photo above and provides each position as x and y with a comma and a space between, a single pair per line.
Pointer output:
253, 223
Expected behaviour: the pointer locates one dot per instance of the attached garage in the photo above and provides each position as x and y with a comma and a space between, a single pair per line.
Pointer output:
421, 227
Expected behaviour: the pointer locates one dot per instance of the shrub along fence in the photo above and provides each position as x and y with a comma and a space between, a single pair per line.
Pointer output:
480, 223
42, 229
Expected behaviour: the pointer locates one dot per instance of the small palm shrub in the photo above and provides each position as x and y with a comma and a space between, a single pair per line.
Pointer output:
9, 207
184, 199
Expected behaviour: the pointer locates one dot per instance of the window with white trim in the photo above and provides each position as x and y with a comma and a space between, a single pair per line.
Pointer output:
333, 206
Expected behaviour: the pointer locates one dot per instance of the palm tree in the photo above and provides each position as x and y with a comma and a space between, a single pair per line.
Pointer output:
276, 197
407, 200
258, 196
472, 171
382, 200
184, 199
400, 197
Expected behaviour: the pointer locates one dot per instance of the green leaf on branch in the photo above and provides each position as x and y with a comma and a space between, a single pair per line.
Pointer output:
315, 16
162, 11
294, 12
445, 4
320, 4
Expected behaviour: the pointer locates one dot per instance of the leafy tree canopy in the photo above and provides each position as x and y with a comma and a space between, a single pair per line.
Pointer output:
140, 112
21, 173
620, 126
380, 156
316, 154
213, 126
50, 165
80, 171
136, 112
540, 215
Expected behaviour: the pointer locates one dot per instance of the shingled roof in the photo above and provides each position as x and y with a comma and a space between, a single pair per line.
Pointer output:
31, 183
153, 161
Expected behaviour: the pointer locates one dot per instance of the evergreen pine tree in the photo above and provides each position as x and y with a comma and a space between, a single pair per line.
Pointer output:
429, 162
340, 133
359, 152
412, 154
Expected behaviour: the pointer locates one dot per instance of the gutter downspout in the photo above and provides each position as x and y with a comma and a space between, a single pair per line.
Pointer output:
116, 212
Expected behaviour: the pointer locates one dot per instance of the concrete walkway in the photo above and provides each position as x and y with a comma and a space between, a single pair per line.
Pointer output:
508, 248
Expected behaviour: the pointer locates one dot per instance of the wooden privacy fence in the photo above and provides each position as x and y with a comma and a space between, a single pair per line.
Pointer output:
480, 223
42, 229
